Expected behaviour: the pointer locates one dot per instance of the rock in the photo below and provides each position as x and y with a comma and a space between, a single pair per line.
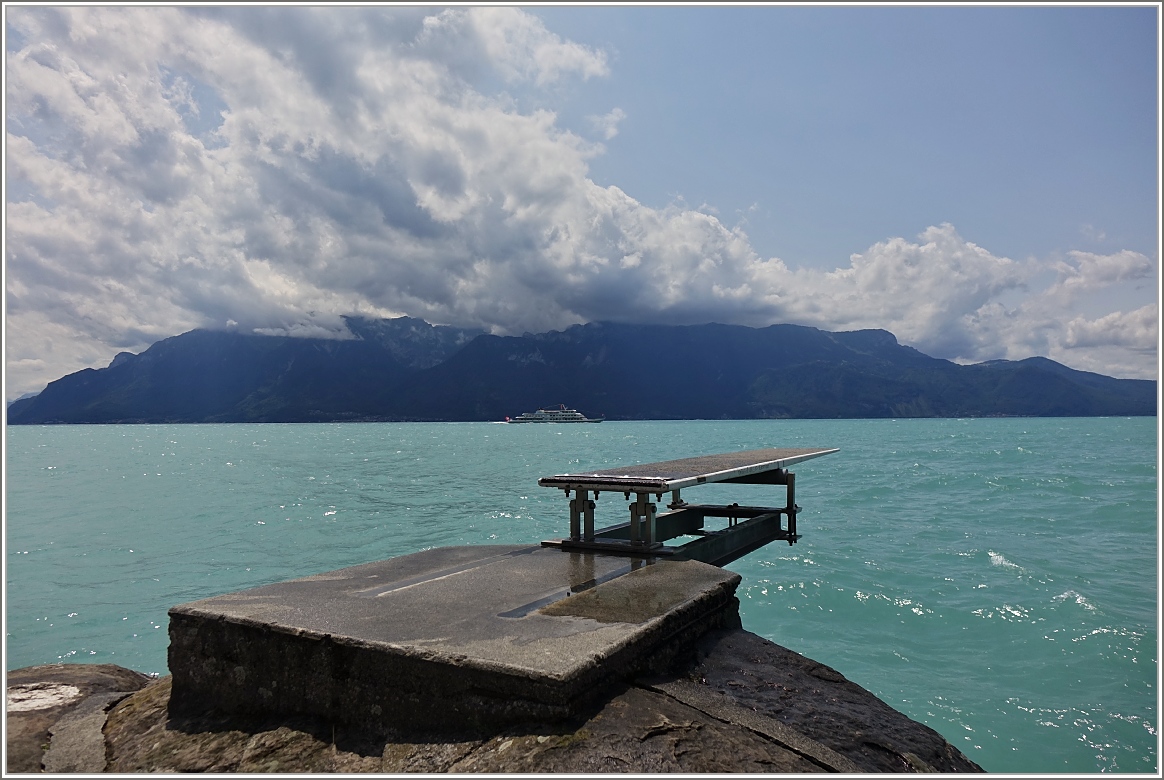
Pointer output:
639, 731
821, 704
39, 698
77, 740
741, 704
141, 737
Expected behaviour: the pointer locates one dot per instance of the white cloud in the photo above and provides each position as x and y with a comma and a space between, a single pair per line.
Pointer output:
932, 294
1136, 330
1118, 344
607, 124
522, 47
943, 296
1086, 272
516, 44
277, 168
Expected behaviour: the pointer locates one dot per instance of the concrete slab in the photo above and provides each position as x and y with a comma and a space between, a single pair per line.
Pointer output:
448, 638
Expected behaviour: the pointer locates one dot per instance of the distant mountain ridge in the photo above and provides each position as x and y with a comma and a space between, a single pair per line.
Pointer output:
222, 376
407, 369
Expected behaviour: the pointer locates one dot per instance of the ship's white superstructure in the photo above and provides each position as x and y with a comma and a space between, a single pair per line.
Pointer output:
559, 415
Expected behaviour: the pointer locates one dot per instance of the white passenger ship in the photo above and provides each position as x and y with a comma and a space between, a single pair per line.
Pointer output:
559, 415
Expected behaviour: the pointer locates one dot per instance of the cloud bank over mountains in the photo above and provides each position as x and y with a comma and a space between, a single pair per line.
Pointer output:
272, 169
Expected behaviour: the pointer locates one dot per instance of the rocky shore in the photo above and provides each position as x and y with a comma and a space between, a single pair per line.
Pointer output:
738, 703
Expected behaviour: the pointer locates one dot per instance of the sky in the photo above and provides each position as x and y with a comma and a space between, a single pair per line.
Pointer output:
983, 182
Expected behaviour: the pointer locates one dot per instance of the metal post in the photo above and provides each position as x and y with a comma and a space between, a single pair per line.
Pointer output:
634, 522
642, 523
589, 521
792, 508
575, 508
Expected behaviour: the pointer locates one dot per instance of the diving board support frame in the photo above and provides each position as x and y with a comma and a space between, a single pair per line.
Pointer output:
581, 516
748, 527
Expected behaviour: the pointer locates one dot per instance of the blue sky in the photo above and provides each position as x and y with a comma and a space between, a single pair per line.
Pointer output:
843, 126
981, 181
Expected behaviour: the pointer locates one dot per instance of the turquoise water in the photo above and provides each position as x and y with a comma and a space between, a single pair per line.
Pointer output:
994, 579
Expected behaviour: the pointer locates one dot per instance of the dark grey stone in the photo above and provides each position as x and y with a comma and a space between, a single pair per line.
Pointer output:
77, 740
29, 727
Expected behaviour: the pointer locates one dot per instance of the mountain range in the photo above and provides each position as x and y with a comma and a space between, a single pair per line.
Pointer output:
406, 369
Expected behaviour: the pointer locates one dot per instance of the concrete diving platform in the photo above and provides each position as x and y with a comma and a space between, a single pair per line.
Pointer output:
455, 637
468, 637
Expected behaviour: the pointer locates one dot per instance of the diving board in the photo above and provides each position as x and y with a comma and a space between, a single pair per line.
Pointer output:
646, 530
671, 475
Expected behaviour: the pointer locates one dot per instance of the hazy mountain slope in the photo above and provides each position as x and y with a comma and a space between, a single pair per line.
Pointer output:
721, 371
406, 369
211, 376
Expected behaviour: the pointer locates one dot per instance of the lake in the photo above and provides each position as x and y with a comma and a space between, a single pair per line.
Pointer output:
995, 579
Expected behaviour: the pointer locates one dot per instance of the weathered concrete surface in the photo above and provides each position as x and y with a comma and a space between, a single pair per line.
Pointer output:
40, 697
457, 637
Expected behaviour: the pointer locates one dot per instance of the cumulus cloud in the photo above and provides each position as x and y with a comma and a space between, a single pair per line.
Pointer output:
516, 44
273, 169
932, 293
1085, 272
944, 295
1135, 330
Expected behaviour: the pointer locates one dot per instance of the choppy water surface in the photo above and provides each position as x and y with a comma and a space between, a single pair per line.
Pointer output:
994, 579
